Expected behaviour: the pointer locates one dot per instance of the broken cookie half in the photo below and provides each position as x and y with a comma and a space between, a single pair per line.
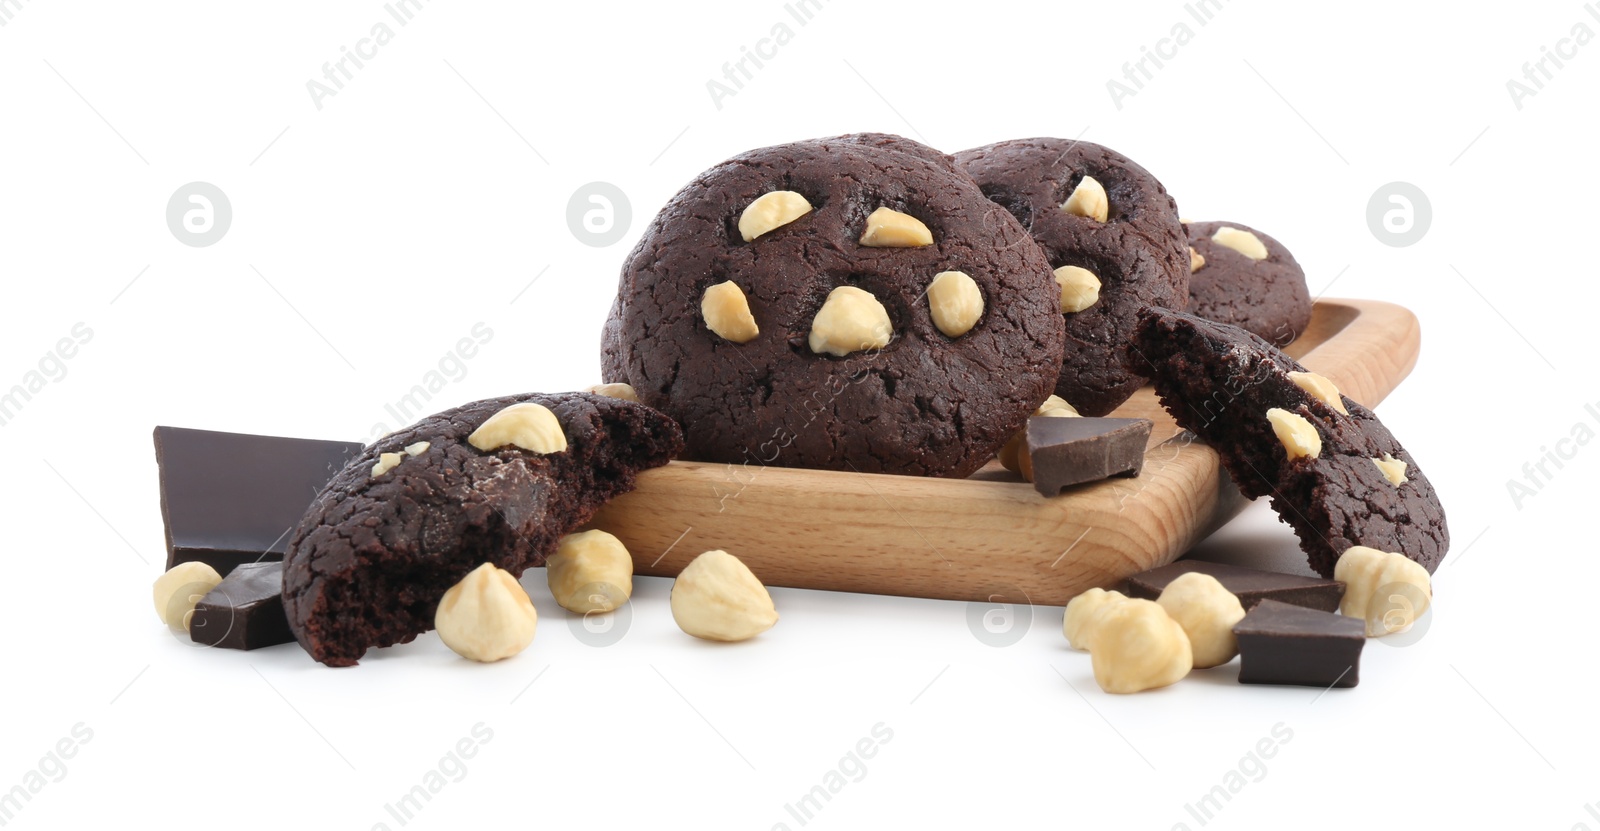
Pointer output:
497, 481
1334, 472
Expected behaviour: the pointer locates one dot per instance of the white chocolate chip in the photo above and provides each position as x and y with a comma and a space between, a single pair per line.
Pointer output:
955, 302
1010, 455
176, 592
619, 391
418, 449
590, 572
386, 463
1387, 590
1137, 646
1080, 289
1078, 622
1319, 388
770, 210
1241, 241
1088, 199
1299, 438
892, 229
487, 616
727, 312
527, 425
1393, 469
850, 320
1196, 261
717, 598
1207, 612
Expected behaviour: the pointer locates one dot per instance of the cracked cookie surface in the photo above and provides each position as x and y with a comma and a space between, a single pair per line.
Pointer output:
1219, 381
375, 552
1138, 252
925, 404
1266, 297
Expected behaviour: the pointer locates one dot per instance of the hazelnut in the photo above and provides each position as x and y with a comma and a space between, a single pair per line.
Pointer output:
1393, 469
622, 391
1078, 623
1088, 199
176, 592
1080, 289
1299, 438
1387, 590
850, 320
590, 572
1135, 645
717, 598
774, 209
1241, 241
892, 229
1319, 388
1053, 407
487, 616
727, 312
1207, 612
955, 302
1196, 261
386, 462
527, 425
418, 448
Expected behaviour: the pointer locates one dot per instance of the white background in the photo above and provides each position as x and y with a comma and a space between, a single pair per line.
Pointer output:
430, 194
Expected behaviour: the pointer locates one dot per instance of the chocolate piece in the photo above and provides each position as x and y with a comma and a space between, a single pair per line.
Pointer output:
244, 611
231, 498
1071, 451
1250, 585
1280, 643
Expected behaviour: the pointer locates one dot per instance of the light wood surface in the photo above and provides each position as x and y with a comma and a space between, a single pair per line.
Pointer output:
990, 536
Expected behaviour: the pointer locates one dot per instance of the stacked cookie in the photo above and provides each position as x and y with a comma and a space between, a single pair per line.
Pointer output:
851, 303
868, 303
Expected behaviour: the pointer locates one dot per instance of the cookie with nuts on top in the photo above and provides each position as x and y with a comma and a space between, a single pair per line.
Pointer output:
1112, 235
1334, 472
851, 303
497, 481
1247, 279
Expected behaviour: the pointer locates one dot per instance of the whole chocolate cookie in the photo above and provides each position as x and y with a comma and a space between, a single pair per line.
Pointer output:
1122, 237
611, 366
1247, 279
420, 508
843, 303
1348, 482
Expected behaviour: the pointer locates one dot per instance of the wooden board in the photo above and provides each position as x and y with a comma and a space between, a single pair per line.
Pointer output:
990, 536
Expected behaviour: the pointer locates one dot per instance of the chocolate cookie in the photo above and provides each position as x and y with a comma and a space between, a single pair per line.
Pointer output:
843, 303
1126, 240
1247, 279
418, 509
611, 367
1347, 481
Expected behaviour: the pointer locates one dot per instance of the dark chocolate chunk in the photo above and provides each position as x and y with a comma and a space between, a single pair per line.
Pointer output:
1250, 585
244, 611
231, 498
1280, 643
1072, 451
